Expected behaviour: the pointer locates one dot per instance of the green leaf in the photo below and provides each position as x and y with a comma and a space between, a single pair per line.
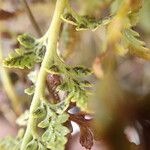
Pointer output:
59, 145
134, 18
63, 87
21, 59
47, 135
26, 40
33, 145
84, 22
81, 71
82, 103
39, 112
55, 131
61, 130
76, 89
56, 139
60, 107
26, 57
62, 118
54, 69
40, 51
67, 17
80, 97
44, 123
85, 83
30, 90
92, 23
136, 47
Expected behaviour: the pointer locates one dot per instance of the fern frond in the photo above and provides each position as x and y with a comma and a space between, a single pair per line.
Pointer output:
21, 60
32, 52
136, 46
85, 22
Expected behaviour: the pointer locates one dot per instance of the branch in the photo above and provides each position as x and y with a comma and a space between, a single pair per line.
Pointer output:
52, 34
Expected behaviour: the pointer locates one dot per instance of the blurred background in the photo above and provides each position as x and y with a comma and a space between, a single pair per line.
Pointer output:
121, 99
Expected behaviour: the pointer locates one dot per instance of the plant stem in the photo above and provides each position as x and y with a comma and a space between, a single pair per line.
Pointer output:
32, 19
7, 84
53, 34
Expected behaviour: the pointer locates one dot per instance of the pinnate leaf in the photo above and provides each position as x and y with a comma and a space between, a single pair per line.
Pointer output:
55, 133
54, 69
136, 47
32, 52
84, 22
81, 71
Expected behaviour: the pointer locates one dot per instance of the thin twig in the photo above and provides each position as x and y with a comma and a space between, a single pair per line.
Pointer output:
32, 18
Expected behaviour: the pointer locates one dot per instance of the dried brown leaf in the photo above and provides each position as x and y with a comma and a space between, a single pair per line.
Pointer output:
86, 137
86, 134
